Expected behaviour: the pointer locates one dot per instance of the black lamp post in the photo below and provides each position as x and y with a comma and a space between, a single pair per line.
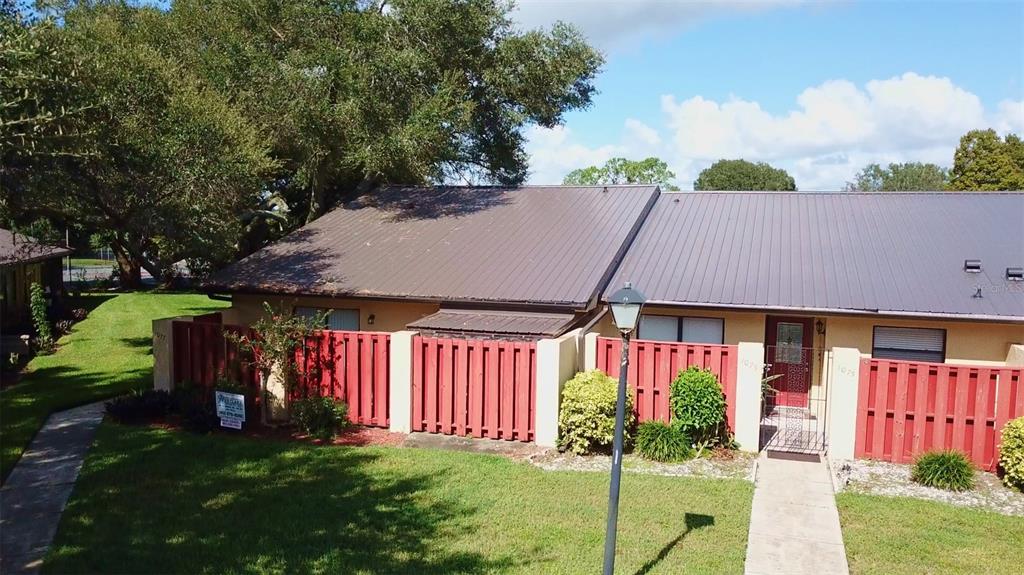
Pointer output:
626, 304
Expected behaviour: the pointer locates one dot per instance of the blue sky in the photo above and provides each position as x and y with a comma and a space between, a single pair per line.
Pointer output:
820, 88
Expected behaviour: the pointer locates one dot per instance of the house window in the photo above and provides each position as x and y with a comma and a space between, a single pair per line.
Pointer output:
684, 329
909, 343
337, 319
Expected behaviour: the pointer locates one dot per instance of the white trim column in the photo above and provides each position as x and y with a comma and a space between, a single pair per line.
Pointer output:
590, 351
749, 373
842, 403
400, 384
163, 351
556, 364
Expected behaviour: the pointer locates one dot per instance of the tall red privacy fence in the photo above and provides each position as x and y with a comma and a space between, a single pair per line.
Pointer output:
201, 354
654, 364
906, 408
480, 388
352, 366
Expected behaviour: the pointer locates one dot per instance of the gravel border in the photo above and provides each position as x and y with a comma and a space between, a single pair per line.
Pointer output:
893, 480
740, 466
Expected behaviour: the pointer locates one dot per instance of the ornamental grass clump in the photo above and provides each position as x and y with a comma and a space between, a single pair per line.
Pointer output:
586, 420
698, 406
1011, 453
659, 441
950, 470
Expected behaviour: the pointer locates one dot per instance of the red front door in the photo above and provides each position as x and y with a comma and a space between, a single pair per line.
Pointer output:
789, 353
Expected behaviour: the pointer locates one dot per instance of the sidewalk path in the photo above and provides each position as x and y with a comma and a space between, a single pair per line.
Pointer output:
33, 498
794, 523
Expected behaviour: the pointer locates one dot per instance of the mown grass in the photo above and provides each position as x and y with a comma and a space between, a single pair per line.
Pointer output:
107, 354
152, 499
91, 262
891, 535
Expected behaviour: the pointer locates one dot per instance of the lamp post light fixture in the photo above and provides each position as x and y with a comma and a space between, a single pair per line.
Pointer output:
626, 305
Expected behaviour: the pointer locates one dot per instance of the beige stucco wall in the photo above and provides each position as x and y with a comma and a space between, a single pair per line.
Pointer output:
388, 315
739, 326
966, 342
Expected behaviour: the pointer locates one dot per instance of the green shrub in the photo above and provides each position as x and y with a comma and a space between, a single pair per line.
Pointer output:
139, 406
37, 306
949, 470
698, 406
320, 417
661, 442
586, 421
1011, 453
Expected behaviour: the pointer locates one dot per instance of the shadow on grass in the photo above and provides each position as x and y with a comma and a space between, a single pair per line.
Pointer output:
694, 521
240, 506
88, 302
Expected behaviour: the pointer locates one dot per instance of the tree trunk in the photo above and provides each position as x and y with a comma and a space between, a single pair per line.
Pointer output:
128, 270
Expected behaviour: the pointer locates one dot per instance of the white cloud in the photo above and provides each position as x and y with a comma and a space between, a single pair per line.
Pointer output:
833, 130
611, 23
553, 155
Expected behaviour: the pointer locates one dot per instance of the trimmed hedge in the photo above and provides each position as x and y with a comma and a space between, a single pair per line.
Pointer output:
586, 420
698, 405
1011, 453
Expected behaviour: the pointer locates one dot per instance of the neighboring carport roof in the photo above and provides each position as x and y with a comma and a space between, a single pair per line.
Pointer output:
495, 322
884, 253
548, 245
18, 248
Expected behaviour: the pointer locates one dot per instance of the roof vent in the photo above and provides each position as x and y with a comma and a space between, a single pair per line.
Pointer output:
1015, 274
972, 266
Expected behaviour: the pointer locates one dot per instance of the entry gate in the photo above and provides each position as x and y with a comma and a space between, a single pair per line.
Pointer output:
794, 400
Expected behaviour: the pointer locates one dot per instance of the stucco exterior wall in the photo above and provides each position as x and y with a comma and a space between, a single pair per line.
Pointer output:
966, 342
388, 315
739, 326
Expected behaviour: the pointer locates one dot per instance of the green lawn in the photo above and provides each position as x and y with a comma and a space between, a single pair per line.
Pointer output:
91, 262
182, 503
106, 354
901, 535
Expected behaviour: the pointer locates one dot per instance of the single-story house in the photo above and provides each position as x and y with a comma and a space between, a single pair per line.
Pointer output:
808, 287
24, 261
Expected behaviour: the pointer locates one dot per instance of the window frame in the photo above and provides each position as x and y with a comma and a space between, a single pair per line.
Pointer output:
874, 348
327, 319
679, 327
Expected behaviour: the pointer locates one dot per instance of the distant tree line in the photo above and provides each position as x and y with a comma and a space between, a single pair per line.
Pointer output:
203, 129
982, 162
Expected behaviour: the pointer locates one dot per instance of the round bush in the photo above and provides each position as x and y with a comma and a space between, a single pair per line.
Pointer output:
586, 420
320, 417
950, 470
1011, 453
697, 405
660, 442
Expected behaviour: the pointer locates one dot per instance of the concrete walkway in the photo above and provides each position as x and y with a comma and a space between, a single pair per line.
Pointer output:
33, 498
794, 523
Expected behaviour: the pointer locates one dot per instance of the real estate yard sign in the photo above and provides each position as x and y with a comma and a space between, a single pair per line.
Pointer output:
230, 409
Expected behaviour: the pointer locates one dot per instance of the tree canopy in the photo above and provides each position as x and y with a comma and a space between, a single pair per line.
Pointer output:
197, 124
908, 177
983, 161
741, 175
623, 171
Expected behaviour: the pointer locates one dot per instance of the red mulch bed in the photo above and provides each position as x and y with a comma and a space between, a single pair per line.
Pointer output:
353, 436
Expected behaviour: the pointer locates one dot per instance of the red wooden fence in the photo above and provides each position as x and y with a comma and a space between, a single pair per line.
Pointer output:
201, 354
478, 388
906, 408
654, 364
352, 366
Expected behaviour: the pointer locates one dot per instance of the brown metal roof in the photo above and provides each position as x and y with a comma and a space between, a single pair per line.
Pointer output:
19, 248
887, 253
553, 245
496, 322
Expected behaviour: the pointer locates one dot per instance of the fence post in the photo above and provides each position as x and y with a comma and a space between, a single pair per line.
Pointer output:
842, 403
590, 351
556, 364
749, 373
163, 354
400, 392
